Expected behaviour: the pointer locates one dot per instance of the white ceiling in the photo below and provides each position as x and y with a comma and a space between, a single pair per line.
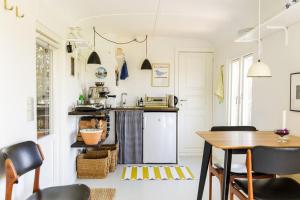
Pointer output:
213, 20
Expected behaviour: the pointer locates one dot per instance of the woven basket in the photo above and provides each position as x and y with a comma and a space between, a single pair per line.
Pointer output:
93, 164
114, 151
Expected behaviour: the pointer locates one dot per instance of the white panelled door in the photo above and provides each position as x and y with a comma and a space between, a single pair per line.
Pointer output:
195, 99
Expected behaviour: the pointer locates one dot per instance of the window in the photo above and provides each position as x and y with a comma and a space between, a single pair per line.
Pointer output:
240, 91
43, 77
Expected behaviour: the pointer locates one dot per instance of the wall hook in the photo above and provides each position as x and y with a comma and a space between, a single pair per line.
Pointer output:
18, 13
6, 7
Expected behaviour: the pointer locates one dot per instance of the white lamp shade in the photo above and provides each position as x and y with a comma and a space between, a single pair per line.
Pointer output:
259, 69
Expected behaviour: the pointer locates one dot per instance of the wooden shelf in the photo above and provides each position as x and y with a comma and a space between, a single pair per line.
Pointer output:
78, 144
92, 113
286, 18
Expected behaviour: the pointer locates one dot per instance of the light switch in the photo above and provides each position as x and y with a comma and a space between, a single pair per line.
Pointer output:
30, 109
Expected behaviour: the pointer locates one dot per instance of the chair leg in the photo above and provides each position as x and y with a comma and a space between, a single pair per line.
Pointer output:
210, 186
231, 194
221, 184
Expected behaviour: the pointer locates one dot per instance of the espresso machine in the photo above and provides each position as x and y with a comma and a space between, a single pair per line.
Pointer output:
97, 94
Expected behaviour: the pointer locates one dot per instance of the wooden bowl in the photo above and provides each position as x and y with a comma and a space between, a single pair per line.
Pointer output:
91, 136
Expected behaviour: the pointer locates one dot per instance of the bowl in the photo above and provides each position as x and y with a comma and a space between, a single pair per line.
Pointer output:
91, 136
282, 132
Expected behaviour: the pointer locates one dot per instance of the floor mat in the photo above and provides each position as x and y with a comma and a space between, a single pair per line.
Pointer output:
103, 194
157, 173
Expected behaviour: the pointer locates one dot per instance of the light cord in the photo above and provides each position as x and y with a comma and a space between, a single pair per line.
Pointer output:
120, 43
259, 30
146, 46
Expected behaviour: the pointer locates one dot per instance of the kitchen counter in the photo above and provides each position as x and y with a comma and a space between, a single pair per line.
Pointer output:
149, 109
145, 109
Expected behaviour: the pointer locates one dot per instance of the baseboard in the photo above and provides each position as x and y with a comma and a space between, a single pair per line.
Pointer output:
191, 152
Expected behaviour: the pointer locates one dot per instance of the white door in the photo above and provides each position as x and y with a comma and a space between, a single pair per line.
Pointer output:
195, 99
159, 137
45, 55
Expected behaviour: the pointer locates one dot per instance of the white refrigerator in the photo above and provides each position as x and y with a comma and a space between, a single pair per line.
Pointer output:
160, 137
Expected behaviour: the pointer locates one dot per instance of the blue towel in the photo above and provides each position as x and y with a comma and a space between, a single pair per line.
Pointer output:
124, 71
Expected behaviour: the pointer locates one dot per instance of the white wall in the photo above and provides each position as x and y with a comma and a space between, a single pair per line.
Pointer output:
17, 84
138, 84
270, 95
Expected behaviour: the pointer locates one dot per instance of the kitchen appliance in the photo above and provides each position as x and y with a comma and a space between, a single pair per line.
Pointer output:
160, 137
111, 101
156, 102
98, 94
172, 101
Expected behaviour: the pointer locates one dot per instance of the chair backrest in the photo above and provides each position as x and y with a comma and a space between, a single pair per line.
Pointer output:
271, 160
25, 156
234, 128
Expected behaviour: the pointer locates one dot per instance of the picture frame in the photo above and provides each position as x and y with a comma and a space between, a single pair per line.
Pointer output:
295, 92
72, 66
160, 75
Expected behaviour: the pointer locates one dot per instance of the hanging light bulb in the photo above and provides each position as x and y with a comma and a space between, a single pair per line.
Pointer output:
94, 57
259, 69
146, 64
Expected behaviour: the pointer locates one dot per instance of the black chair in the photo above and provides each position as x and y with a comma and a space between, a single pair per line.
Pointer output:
237, 170
26, 156
281, 161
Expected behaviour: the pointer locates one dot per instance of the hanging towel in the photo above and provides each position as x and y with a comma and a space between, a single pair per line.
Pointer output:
124, 71
220, 85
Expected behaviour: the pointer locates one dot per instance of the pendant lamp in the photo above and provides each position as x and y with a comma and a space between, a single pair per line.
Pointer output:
259, 69
94, 57
146, 64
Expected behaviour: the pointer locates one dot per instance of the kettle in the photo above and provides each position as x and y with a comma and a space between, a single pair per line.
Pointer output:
172, 101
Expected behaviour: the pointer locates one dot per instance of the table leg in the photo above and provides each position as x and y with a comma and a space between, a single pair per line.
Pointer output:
227, 170
204, 167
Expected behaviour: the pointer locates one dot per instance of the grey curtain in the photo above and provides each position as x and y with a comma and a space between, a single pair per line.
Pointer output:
129, 129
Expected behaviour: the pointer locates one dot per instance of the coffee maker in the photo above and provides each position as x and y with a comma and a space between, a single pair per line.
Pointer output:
97, 94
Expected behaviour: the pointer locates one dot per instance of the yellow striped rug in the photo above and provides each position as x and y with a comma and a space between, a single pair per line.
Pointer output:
157, 173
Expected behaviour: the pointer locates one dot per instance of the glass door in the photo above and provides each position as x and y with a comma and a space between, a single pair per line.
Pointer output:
240, 92
44, 63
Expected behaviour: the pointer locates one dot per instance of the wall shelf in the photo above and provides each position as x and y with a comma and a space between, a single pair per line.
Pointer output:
79, 144
286, 18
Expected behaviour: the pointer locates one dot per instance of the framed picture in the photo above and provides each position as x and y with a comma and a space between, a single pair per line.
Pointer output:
295, 92
160, 75
72, 66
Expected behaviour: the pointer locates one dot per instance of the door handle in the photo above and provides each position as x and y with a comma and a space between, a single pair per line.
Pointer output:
183, 100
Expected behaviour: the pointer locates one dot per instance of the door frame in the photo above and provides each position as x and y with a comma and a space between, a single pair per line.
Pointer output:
55, 42
176, 87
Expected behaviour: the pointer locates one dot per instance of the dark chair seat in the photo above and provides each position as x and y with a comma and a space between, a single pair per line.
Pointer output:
271, 189
237, 169
69, 192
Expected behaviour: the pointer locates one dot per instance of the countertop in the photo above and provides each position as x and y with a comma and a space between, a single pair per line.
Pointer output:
149, 109
145, 109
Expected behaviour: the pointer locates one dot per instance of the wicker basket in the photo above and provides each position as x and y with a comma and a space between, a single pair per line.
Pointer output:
93, 164
114, 151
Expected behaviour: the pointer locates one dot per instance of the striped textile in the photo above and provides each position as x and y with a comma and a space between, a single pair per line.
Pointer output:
157, 173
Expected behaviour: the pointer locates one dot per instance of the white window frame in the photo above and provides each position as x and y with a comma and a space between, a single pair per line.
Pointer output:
241, 60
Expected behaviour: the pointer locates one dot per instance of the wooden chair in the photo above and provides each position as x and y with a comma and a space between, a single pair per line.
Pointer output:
281, 161
237, 170
26, 156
